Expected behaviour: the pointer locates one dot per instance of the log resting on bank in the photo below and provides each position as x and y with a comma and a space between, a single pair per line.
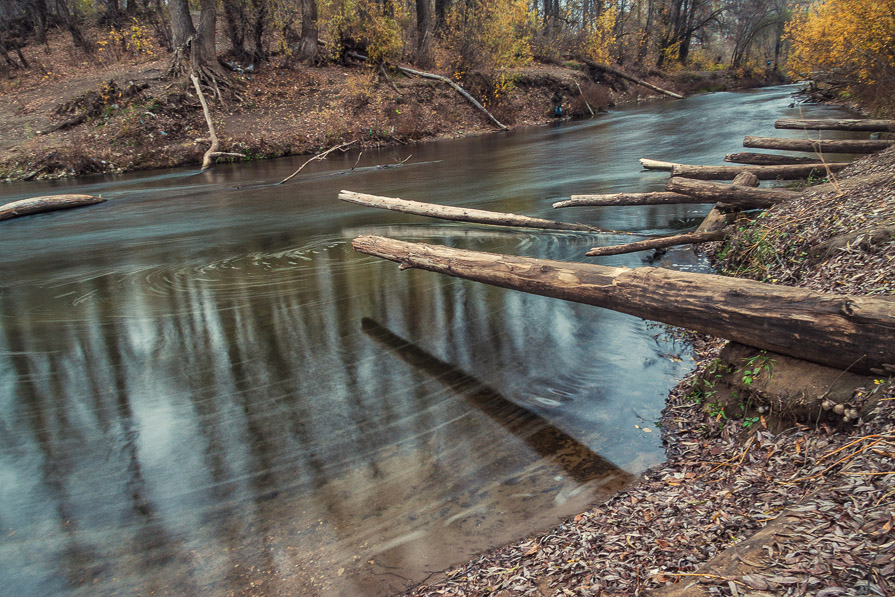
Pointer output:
821, 145
718, 219
627, 77
691, 238
460, 214
767, 159
730, 196
37, 205
658, 198
762, 172
847, 332
853, 124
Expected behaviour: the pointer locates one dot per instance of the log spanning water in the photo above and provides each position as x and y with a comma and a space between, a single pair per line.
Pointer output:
848, 332
831, 124
819, 145
762, 172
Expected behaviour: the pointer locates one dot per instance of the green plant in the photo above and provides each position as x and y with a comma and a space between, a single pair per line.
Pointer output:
748, 422
755, 365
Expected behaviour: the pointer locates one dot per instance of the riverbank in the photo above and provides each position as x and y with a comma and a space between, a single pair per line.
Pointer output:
69, 116
749, 500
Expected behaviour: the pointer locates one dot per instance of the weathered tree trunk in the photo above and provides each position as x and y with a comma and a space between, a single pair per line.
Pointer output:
729, 196
848, 332
822, 145
691, 238
649, 164
194, 47
457, 88
628, 77
308, 46
657, 198
423, 33
37, 205
717, 219
537, 432
836, 125
762, 172
459, 214
767, 159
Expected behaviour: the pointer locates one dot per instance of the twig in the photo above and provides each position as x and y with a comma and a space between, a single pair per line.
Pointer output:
388, 78
319, 156
715, 576
840, 461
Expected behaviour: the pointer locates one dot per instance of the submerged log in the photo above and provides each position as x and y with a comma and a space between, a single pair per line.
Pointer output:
853, 124
658, 198
730, 196
547, 440
762, 172
459, 214
691, 238
37, 205
819, 145
767, 159
648, 164
848, 332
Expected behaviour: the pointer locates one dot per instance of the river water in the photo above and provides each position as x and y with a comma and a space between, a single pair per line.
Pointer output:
203, 389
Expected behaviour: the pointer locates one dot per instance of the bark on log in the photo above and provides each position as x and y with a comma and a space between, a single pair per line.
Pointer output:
718, 219
648, 164
460, 214
847, 332
547, 440
626, 76
819, 145
730, 196
836, 125
658, 198
691, 238
458, 89
762, 172
767, 159
37, 205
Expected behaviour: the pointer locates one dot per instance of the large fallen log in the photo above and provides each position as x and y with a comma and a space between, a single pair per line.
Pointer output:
730, 196
37, 205
691, 238
848, 332
547, 440
657, 198
792, 172
767, 159
819, 145
836, 125
627, 77
459, 214
718, 219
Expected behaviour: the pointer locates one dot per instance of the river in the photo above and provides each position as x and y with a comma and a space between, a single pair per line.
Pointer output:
204, 389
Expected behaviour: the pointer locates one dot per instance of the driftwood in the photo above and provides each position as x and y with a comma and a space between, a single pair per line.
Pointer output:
691, 238
819, 145
767, 159
320, 156
459, 214
729, 196
762, 172
648, 164
718, 219
35, 205
547, 440
627, 77
836, 125
847, 332
458, 89
208, 158
656, 198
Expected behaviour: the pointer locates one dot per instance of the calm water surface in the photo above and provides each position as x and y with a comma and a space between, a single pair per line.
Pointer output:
203, 389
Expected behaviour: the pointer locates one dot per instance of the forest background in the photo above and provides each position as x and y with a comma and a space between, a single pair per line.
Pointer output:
493, 48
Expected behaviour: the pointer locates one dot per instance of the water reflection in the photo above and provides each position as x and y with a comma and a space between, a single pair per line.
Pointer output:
189, 404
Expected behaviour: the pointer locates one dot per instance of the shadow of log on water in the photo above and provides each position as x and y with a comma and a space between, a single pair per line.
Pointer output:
580, 462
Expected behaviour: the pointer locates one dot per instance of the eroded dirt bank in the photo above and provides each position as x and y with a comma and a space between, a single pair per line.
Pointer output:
751, 500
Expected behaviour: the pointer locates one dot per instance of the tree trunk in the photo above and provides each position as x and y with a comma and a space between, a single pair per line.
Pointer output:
691, 238
837, 125
628, 77
70, 20
762, 172
730, 195
194, 47
308, 48
235, 25
458, 214
767, 159
822, 146
423, 33
37, 205
847, 332
441, 10
658, 198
